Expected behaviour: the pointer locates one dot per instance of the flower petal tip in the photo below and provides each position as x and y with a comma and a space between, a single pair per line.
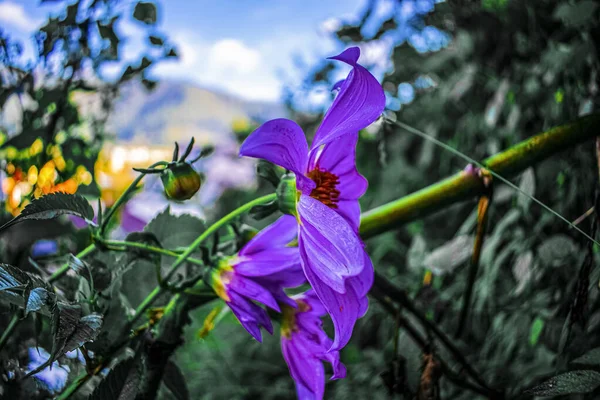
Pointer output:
349, 56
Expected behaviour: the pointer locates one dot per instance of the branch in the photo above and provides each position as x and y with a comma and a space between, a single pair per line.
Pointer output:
463, 186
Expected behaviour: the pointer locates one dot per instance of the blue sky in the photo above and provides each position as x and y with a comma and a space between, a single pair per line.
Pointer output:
244, 47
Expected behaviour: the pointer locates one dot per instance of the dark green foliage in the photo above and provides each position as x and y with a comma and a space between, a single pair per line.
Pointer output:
52, 206
25, 290
121, 383
583, 381
145, 12
175, 381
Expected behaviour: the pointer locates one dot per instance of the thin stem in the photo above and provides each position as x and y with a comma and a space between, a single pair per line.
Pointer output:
14, 322
464, 186
147, 302
74, 386
147, 248
124, 196
65, 267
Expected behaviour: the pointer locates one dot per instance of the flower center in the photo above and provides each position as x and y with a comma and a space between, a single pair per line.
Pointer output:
222, 276
325, 191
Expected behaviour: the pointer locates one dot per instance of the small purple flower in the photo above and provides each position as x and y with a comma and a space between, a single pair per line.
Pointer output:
54, 377
259, 272
325, 196
305, 346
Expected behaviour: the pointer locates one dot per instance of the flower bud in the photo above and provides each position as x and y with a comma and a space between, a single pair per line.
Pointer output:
180, 181
287, 194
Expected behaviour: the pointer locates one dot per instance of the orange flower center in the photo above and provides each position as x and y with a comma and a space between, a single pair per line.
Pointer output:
325, 191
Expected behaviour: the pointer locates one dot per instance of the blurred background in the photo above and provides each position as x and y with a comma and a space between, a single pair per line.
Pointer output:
90, 89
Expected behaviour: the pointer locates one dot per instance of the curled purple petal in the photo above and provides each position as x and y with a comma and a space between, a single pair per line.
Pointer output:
328, 244
306, 370
252, 290
360, 102
278, 234
281, 142
251, 316
343, 308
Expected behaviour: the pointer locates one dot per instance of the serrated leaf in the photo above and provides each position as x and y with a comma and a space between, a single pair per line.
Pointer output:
121, 383
175, 381
52, 206
590, 358
38, 298
174, 231
17, 287
145, 12
450, 255
583, 381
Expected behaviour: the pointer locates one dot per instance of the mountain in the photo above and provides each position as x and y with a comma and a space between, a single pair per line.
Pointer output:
176, 111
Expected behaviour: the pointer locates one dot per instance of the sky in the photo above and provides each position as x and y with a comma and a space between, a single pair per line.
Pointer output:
243, 47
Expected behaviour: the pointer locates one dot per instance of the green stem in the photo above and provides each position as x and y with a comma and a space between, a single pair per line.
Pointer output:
74, 386
14, 322
463, 185
147, 302
124, 196
147, 248
65, 267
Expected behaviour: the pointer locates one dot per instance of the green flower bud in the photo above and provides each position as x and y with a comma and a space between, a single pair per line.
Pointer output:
180, 181
287, 194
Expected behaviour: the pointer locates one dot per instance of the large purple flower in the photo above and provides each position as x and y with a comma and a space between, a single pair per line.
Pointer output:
259, 272
305, 346
325, 197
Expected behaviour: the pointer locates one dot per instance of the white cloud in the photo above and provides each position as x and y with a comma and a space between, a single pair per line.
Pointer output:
227, 64
14, 14
233, 56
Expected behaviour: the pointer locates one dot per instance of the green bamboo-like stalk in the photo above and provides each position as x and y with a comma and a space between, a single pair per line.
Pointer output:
463, 185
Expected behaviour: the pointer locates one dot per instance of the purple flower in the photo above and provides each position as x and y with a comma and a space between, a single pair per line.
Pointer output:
259, 272
305, 346
326, 192
54, 377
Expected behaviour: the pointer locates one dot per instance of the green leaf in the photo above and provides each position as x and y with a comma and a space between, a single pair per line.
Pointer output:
121, 383
52, 206
175, 381
555, 250
578, 14
583, 381
527, 185
175, 231
145, 12
536, 330
591, 358
264, 210
450, 255
25, 290
155, 40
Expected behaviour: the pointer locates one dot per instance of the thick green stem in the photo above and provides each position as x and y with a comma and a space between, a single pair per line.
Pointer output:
463, 185
147, 302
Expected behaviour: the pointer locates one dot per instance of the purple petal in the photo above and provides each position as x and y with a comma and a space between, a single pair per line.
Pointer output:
277, 291
328, 244
281, 142
254, 291
289, 278
343, 308
278, 234
361, 284
339, 369
339, 158
268, 262
306, 370
360, 102
251, 316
